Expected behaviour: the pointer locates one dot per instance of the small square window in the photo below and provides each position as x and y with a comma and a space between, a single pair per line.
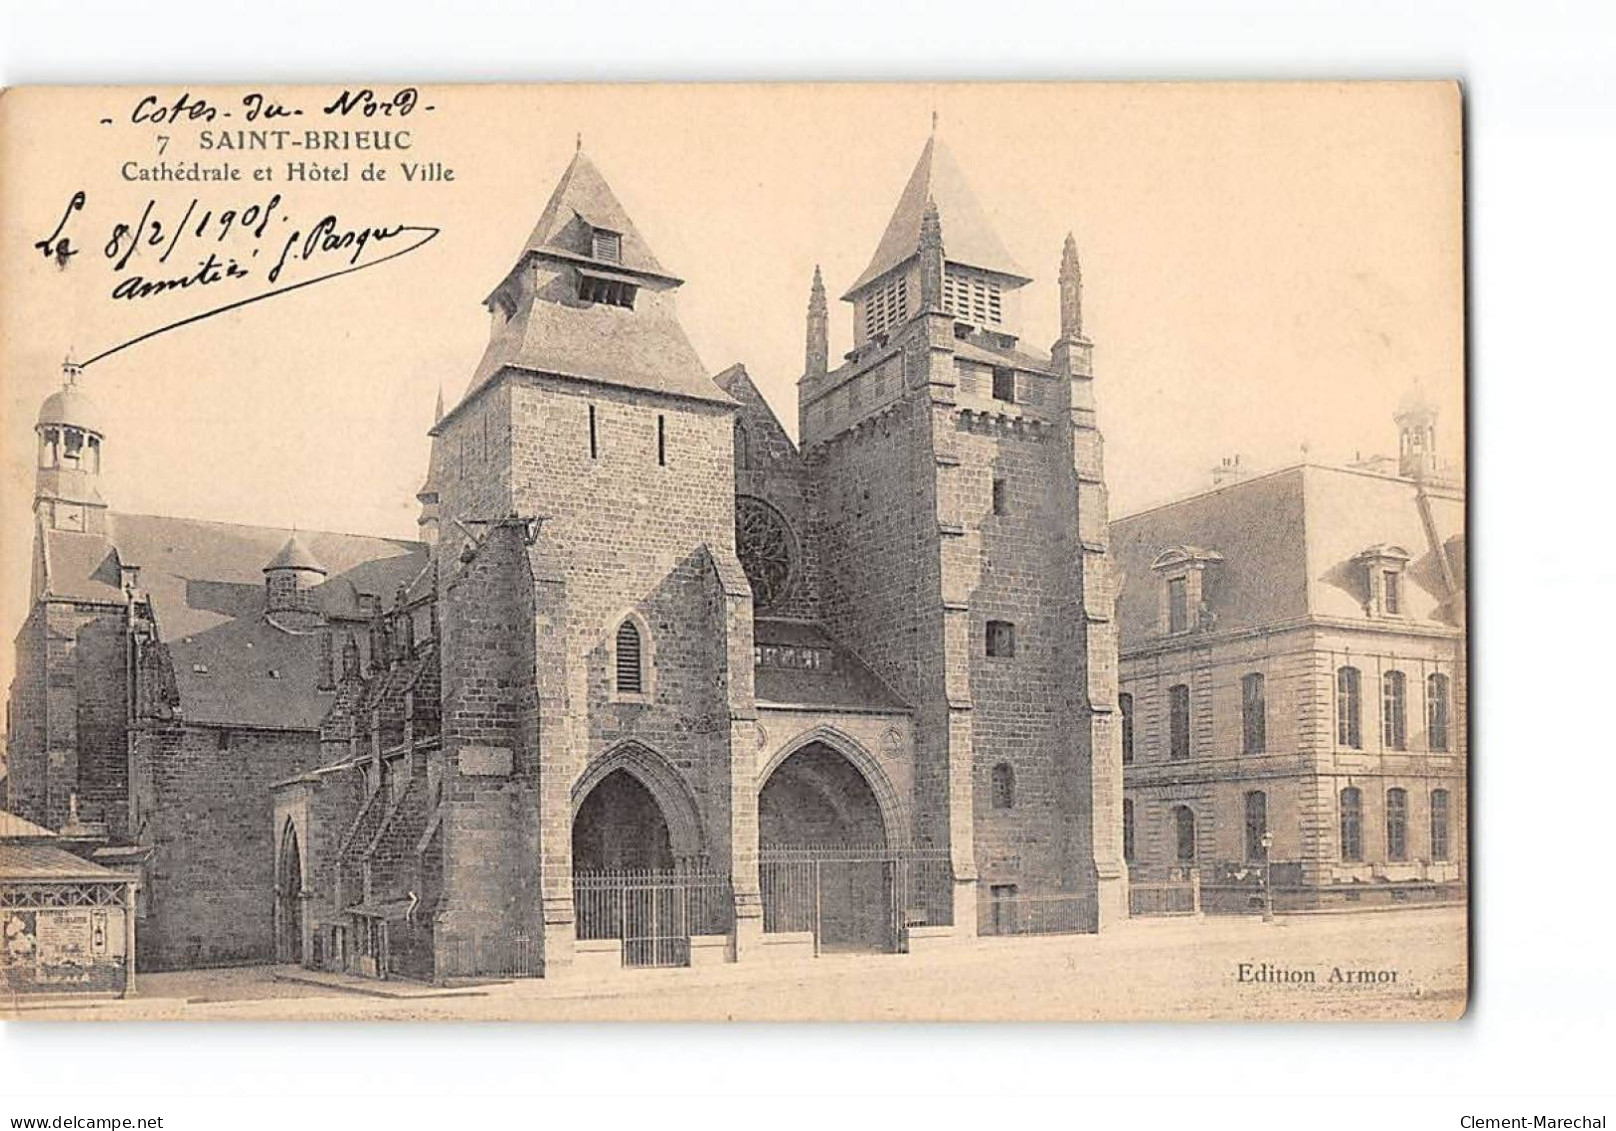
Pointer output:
1001, 638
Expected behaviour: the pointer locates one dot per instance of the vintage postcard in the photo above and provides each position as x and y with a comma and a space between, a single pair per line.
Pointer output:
833, 552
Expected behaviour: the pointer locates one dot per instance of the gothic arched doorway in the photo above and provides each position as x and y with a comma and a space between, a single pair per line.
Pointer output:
289, 899
620, 826
827, 865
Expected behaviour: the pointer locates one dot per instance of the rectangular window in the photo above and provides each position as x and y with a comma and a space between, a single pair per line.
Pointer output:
1000, 497
661, 440
1178, 605
1127, 829
1439, 824
1125, 704
1351, 825
1004, 385
1436, 711
1253, 714
608, 246
1391, 582
1394, 711
1178, 722
1348, 710
1397, 824
224, 739
1001, 638
594, 437
1256, 825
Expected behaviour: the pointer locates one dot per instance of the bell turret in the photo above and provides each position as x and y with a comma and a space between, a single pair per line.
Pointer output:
67, 493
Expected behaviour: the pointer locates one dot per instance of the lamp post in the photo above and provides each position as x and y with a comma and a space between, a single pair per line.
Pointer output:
1268, 877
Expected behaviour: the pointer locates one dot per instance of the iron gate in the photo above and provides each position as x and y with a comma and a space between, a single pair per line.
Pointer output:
854, 897
652, 914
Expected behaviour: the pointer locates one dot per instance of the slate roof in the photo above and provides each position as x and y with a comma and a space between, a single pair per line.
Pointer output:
205, 582
640, 348
968, 236
1289, 540
201, 574
847, 683
44, 863
583, 201
294, 555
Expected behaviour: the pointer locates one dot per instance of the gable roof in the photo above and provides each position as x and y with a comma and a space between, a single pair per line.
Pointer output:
766, 436
968, 236
583, 201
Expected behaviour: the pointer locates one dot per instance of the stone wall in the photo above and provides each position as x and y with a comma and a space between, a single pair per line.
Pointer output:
211, 826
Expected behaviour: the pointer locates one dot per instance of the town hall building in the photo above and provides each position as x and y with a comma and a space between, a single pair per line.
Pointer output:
655, 684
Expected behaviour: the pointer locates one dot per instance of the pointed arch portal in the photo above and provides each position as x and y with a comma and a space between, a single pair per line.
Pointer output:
289, 898
827, 854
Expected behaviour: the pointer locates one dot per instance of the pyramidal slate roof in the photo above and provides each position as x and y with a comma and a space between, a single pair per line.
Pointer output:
968, 236
583, 201
552, 333
293, 554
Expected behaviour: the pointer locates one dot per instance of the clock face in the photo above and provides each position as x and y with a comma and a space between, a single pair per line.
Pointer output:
763, 543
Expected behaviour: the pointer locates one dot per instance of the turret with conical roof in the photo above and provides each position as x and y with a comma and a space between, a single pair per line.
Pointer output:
291, 576
67, 493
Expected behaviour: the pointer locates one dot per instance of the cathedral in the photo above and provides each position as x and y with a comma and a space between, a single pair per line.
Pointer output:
655, 684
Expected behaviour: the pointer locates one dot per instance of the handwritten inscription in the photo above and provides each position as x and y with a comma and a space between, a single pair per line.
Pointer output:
227, 247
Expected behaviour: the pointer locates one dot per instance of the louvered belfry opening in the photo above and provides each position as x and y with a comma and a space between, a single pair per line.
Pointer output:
629, 671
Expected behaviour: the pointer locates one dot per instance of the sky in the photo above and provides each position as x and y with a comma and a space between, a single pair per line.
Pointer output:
1267, 270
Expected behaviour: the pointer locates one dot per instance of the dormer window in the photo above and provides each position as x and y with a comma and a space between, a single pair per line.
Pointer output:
1384, 591
1186, 604
607, 246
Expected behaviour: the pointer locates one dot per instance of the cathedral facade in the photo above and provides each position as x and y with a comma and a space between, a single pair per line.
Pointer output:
656, 684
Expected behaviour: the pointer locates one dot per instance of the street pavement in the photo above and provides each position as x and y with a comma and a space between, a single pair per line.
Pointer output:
1393, 965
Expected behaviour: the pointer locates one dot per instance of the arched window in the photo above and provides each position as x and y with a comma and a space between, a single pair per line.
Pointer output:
1127, 829
1439, 824
1394, 711
1004, 786
743, 447
630, 659
1184, 832
1397, 824
1253, 714
1256, 824
1348, 708
1178, 721
1351, 825
1125, 705
1436, 710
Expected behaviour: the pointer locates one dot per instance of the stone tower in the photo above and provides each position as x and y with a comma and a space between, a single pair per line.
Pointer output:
585, 500
962, 522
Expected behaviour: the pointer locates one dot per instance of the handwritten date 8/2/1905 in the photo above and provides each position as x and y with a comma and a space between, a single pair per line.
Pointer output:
231, 246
